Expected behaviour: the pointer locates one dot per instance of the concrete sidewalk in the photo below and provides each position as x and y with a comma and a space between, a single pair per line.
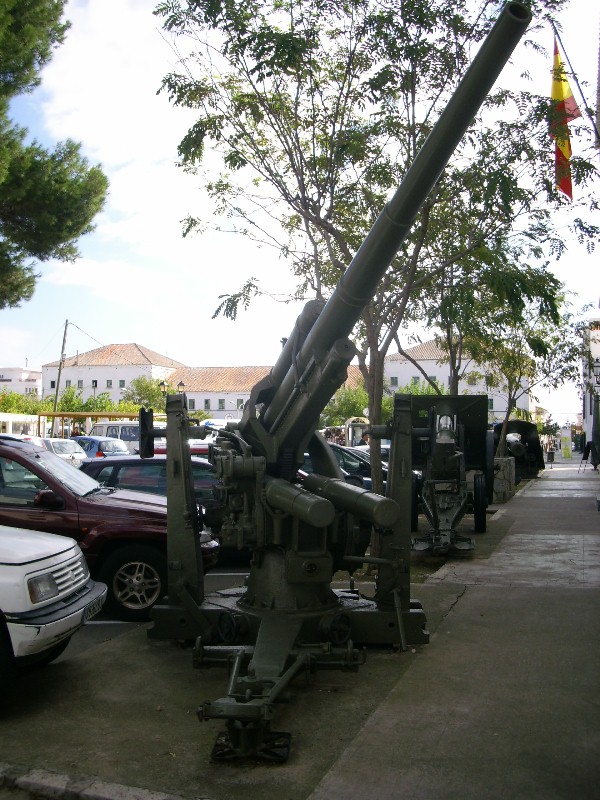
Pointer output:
503, 701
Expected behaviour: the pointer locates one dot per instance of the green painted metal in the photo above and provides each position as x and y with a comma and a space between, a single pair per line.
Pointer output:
288, 619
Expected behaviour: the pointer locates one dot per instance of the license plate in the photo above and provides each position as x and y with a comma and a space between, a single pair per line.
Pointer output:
93, 608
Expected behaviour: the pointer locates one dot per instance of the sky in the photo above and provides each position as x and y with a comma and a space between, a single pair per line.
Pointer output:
138, 280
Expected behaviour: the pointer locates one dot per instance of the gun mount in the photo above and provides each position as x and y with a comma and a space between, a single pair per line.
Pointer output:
455, 443
288, 619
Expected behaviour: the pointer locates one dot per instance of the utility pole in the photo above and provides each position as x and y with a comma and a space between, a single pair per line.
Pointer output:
60, 366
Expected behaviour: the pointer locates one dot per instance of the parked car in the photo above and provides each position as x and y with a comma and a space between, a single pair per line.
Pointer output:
123, 534
307, 468
68, 449
46, 595
354, 461
101, 446
150, 475
126, 430
364, 455
36, 440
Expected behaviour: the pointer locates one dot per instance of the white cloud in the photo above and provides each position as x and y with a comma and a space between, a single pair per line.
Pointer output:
138, 279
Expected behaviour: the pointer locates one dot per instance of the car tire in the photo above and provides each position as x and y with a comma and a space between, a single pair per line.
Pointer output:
479, 503
136, 576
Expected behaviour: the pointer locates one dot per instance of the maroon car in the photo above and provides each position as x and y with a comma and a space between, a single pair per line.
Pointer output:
123, 534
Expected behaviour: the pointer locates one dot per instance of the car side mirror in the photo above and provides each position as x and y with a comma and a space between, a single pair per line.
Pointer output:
47, 498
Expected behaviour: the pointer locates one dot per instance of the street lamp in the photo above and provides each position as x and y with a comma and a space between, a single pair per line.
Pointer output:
181, 387
596, 370
163, 388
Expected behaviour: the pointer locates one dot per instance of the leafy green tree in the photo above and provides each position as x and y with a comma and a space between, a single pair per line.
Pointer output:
318, 109
101, 402
147, 393
15, 403
48, 198
465, 302
346, 403
520, 354
548, 427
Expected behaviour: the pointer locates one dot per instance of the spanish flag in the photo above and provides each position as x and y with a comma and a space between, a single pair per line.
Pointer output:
564, 109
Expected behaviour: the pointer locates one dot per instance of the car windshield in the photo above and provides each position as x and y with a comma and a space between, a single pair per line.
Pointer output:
66, 446
71, 477
114, 446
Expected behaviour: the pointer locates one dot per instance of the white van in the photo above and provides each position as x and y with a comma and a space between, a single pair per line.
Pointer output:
126, 430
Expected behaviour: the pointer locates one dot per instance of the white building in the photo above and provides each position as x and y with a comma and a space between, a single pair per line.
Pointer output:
21, 381
221, 392
108, 369
399, 371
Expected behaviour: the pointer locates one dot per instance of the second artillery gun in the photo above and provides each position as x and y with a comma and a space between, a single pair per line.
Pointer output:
453, 469
288, 619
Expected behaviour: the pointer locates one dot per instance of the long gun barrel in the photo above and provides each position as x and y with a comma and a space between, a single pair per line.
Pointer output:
359, 283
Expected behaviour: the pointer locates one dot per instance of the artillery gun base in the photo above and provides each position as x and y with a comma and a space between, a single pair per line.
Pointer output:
441, 544
264, 650
354, 617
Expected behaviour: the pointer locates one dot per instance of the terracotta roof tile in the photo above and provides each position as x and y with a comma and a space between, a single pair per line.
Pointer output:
233, 379
218, 379
425, 351
118, 355
196, 379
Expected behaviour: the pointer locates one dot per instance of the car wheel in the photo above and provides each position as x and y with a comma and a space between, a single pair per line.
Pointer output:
136, 577
47, 657
479, 503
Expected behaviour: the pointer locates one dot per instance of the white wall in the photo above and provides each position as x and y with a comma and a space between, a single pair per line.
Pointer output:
21, 381
405, 372
102, 375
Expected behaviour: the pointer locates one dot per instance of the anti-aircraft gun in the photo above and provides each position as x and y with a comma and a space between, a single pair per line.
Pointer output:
288, 619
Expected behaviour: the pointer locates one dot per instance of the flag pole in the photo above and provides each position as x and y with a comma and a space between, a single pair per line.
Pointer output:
572, 72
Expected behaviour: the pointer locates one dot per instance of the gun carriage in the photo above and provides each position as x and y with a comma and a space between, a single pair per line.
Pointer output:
288, 619
453, 468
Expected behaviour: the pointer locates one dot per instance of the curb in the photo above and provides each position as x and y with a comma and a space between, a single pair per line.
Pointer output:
40, 784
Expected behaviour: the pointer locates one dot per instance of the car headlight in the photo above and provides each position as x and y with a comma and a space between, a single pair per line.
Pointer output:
41, 588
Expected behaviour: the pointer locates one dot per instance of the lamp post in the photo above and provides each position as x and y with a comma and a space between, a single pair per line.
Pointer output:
180, 387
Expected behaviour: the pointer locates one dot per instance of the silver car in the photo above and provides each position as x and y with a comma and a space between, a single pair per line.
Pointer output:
68, 449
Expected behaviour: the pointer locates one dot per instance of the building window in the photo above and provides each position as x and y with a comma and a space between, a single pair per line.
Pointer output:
394, 380
472, 379
432, 378
121, 384
415, 380
221, 404
109, 384
239, 403
490, 403
80, 384
53, 384
94, 384
192, 405
207, 405
31, 390
67, 384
